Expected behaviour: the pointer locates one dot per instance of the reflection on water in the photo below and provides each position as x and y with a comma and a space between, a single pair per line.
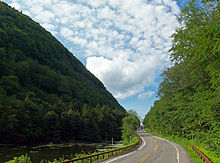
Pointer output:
49, 152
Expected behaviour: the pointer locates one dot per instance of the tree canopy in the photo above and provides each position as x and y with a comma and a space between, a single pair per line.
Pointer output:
189, 95
130, 123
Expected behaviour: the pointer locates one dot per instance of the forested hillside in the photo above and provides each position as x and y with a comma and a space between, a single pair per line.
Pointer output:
46, 94
189, 95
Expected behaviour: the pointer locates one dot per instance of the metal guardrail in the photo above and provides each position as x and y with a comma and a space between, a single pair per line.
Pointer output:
202, 155
105, 155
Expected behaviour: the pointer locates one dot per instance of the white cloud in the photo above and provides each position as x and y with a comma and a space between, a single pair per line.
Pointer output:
15, 5
122, 76
64, 9
77, 40
66, 32
44, 16
124, 42
145, 95
80, 24
36, 10
92, 45
115, 3
49, 27
95, 3
106, 13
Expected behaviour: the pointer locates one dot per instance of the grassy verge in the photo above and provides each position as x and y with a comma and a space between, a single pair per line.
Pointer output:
186, 144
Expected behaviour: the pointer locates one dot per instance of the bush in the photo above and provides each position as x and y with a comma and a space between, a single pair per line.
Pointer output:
21, 159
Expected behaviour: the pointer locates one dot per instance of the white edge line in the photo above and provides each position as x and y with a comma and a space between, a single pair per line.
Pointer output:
142, 144
177, 151
128, 153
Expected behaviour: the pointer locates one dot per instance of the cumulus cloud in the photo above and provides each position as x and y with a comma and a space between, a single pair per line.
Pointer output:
106, 13
145, 95
66, 32
124, 42
77, 40
125, 76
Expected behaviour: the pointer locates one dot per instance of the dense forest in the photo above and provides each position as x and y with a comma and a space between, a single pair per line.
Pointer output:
189, 95
46, 94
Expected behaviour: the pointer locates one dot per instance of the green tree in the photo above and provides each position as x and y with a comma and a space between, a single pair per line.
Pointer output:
130, 124
189, 95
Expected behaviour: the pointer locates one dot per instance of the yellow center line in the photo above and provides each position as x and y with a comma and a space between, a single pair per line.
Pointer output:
155, 149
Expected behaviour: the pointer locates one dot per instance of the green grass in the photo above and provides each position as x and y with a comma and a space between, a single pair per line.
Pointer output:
186, 144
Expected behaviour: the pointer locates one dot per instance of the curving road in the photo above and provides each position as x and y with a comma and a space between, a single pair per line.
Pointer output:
154, 150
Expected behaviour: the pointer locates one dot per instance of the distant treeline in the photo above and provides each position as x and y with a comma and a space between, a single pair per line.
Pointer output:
189, 96
46, 94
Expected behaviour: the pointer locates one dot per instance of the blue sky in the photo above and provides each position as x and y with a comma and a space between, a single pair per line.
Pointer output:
124, 43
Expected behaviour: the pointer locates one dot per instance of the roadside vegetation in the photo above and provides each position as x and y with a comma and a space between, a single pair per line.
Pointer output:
189, 95
130, 123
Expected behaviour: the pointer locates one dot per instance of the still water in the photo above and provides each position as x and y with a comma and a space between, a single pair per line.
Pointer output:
48, 152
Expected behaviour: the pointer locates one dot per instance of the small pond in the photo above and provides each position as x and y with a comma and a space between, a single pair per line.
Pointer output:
48, 152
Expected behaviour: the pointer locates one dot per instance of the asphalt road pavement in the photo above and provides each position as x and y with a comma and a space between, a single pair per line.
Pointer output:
153, 150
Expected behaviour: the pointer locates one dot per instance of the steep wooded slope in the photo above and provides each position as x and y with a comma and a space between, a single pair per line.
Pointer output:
46, 94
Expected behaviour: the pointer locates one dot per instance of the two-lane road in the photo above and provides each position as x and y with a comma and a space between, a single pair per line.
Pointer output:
154, 150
